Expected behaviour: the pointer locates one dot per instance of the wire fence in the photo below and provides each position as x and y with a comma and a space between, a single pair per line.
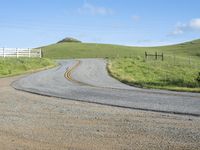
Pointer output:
174, 60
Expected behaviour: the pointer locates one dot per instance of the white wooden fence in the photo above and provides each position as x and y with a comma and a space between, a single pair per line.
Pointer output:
20, 52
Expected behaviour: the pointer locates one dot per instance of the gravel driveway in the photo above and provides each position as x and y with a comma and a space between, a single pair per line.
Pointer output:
29, 121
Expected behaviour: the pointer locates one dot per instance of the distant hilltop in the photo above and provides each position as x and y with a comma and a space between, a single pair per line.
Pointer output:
69, 39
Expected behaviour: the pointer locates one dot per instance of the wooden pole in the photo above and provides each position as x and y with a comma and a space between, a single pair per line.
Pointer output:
40, 53
156, 55
145, 55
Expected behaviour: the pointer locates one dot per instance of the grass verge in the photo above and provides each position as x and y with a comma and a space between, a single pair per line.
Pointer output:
13, 66
172, 74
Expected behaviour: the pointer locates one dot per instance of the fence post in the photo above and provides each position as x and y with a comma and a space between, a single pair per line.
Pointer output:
17, 52
174, 59
40, 53
145, 55
29, 53
189, 60
4, 52
156, 55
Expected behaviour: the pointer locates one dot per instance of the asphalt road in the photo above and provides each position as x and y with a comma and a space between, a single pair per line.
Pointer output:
87, 80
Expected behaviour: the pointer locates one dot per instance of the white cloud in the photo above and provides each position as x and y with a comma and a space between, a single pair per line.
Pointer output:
91, 9
191, 26
135, 18
195, 23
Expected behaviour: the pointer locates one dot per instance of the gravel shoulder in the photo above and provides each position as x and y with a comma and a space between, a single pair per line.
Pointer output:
29, 121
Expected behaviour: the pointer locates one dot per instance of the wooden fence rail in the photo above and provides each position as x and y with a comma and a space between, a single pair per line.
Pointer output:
20, 52
156, 56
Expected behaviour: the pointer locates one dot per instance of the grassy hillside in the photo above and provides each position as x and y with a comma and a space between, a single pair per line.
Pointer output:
191, 48
87, 50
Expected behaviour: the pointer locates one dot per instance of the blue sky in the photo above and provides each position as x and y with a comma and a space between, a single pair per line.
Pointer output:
33, 23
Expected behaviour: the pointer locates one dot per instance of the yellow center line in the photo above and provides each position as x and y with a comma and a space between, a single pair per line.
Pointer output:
68, 74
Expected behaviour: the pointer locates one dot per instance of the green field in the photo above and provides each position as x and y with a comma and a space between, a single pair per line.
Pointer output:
14, 66
88, 50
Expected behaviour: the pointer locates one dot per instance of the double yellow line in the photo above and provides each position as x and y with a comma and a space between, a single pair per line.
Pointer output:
68, 75
69, 72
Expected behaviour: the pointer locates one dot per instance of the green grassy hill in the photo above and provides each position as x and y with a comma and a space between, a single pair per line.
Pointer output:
88, 50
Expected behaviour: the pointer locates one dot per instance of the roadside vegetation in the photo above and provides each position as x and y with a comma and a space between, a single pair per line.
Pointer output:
174, 73
14, 66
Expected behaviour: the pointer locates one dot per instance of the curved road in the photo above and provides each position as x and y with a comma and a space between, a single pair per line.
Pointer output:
87, 80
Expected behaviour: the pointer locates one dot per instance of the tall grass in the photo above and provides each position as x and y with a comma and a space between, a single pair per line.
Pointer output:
174, 73
14, 66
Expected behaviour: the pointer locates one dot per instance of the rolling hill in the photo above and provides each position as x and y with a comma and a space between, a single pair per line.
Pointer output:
91, 50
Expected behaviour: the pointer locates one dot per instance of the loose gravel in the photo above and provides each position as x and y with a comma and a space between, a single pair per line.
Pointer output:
29, 122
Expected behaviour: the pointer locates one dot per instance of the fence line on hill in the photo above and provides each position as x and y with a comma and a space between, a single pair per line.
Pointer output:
156, 56
20, 52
